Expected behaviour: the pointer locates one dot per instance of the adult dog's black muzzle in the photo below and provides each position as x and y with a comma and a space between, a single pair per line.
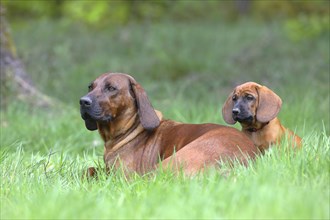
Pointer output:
85, 102
88, 110
91, 110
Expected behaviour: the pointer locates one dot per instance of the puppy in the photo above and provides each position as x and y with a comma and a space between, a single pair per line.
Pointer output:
255, 107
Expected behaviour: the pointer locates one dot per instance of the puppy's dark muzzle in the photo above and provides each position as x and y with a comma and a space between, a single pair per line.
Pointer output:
241, 115
243, 118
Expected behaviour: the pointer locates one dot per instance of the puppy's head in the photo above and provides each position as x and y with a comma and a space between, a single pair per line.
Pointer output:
116, 96
250, 103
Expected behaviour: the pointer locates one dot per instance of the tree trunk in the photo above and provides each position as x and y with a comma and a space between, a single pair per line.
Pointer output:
15, 82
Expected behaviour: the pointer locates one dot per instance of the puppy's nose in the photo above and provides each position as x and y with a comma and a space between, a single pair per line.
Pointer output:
85, 101
236, 111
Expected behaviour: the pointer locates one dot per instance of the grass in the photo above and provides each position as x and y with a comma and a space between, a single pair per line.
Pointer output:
281, 184
188, 70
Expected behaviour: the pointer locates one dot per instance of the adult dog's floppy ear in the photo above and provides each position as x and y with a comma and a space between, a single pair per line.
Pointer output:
91, 124
147, 114
227, 110
269, 104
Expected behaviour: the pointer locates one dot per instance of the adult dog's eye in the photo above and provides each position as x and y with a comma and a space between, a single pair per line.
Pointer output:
250, 97
110, 88
90, 87
234, 98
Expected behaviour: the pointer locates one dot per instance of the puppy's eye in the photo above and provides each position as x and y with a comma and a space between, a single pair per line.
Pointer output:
249, 97
110, 88
234, 98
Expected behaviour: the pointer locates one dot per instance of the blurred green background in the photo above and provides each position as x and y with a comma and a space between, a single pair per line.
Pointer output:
188, 55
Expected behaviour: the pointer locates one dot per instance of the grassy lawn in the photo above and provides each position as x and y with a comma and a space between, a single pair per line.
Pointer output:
188, 71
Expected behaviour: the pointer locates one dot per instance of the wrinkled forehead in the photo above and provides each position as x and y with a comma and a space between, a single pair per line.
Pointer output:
114, 79
247, 88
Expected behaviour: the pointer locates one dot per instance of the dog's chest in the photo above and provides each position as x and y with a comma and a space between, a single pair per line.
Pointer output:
135, 156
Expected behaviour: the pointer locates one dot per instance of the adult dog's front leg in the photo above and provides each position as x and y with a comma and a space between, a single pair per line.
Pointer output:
90, 173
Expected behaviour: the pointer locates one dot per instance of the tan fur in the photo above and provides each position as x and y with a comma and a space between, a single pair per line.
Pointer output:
138, 138
265, 129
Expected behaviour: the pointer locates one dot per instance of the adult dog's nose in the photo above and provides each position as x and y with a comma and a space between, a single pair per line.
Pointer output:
85, 102
236, 111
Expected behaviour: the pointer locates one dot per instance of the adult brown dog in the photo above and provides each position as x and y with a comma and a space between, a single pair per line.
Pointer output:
136, 136
255, 107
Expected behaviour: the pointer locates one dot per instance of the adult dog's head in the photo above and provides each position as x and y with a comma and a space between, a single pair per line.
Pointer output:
250, 103
116, 97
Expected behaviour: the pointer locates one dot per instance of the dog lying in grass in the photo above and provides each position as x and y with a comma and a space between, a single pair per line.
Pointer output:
256, 107
137, 137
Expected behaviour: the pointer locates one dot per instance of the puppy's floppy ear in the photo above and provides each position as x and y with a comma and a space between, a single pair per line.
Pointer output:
147, 114
269, 104
91, 124
227, 110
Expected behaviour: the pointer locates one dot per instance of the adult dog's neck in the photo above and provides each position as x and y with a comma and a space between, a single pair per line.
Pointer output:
121, 131
117, 129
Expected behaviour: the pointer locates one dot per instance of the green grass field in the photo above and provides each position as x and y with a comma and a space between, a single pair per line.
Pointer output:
188, 71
